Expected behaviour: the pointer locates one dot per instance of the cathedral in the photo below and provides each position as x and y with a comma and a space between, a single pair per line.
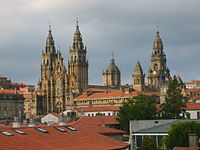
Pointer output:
56, 85
60, 84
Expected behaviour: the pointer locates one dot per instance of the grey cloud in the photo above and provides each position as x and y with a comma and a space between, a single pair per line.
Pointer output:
126, 28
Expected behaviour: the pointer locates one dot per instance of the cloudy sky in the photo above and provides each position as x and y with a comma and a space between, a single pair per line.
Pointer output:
125, 27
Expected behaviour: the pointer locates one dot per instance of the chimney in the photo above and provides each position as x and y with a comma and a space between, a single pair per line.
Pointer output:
16, 123
31, 122
193, 140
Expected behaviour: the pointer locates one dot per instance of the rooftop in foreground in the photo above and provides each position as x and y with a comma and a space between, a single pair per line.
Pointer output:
87, 136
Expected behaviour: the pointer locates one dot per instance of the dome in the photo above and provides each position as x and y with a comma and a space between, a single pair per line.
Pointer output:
112, 67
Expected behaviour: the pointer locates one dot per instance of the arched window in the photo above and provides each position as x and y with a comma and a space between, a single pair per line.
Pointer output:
155, 66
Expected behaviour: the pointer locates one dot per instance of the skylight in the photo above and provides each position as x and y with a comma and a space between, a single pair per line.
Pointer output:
60, 129
19, 131
70, 128
42, 130
6, 133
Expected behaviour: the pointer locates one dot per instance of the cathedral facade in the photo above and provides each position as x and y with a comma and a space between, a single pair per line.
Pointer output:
57, 86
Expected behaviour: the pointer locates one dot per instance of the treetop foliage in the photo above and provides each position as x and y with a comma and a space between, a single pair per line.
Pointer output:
140, 107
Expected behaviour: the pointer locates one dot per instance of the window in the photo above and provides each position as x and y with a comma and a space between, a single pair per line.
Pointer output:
160, 139
6, 133
198, 115
70, 128
19, 131
138, 140
60, 129
155, 66
42, 130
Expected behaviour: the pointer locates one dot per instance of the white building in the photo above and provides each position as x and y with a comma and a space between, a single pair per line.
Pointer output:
51, 118
194, 84
101, 110
194, 110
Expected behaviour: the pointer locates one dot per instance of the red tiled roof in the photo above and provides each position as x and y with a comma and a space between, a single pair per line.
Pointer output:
192, 106
98, 120
1, 76
116, 93
22, 84
100, 108
98, 89
192, 90
193, 82
27, 96
9, 91
87, 137
186, 148
92, 124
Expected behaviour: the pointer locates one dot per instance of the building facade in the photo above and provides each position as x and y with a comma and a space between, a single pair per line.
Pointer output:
11, 105
53, 84
57, 87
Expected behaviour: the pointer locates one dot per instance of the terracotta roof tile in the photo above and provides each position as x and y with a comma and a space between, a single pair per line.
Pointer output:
1, 76
192, 106
9, 91
27, 96
97, 120
87, 137
192, 90
100, 108
116, 93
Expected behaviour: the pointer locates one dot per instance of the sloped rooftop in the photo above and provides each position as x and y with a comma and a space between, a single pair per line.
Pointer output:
88, 136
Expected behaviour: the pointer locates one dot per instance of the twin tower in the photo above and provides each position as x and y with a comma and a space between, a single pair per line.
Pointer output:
158, 73
57, 86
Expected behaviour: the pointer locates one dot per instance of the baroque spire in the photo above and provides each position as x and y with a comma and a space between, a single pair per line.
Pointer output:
50, 48
157, 44
77, 39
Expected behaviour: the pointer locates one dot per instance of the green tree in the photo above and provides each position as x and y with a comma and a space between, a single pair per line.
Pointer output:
100, 114
172, 108
178, 134
148, 144
141, 107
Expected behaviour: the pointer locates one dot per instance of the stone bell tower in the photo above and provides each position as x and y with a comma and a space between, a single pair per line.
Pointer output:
158, 71
77, 64
53, 85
